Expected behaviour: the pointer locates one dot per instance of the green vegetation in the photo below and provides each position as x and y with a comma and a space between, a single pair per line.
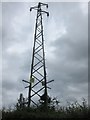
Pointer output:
74, 110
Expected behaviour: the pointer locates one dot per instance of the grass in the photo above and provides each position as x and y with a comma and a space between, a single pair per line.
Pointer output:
72, 111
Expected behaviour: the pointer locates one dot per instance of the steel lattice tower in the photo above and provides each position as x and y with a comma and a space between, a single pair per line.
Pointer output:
38, 79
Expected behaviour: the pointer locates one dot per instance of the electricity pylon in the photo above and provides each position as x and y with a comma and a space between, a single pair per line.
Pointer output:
38, 78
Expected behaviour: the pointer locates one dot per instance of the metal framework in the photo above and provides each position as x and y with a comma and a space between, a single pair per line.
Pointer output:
38, 78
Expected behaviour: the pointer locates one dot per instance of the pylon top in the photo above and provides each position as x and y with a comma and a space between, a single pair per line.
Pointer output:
38, 7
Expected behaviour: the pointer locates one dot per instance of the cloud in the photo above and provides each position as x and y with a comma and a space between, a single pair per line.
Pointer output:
45, 1
66, 45
0, 55
70, 53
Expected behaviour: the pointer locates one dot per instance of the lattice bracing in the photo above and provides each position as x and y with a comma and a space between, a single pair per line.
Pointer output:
38, 79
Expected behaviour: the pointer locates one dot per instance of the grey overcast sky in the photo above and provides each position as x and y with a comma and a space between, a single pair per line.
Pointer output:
66, 46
